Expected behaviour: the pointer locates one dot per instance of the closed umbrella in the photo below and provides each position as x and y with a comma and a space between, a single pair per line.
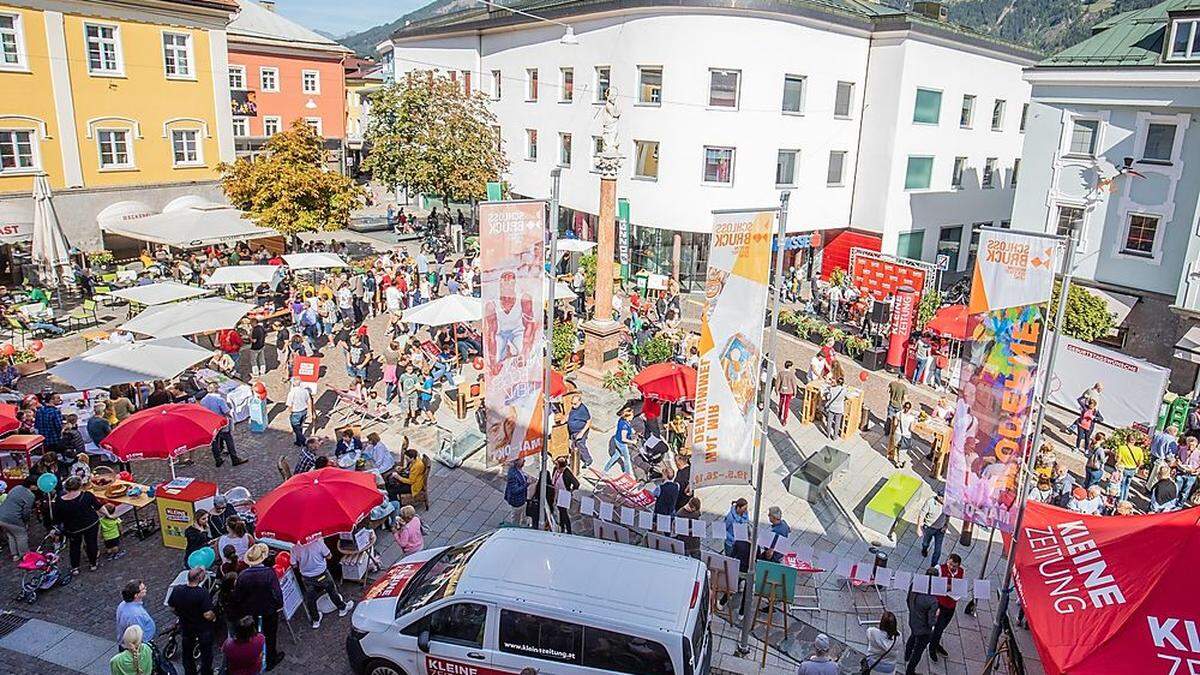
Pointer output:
316, 504
163, 432
50, 252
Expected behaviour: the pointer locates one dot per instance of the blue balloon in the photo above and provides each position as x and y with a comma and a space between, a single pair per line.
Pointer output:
202, 557
47, 482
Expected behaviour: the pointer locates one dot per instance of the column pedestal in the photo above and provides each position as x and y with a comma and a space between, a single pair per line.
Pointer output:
601, 345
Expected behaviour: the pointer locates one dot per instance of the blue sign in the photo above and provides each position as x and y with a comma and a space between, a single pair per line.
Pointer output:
793, 243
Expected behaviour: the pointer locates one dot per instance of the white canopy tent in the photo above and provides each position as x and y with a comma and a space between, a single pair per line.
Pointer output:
192, 226
446, 310
575, 245
159, 293
188, 317
107, 364
314, 261
246, 274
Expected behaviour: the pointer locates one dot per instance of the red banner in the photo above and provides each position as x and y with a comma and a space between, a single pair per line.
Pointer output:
880, 278
1111, 594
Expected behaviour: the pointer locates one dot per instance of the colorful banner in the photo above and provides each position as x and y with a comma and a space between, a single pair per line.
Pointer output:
1006, 321
731, 341
512, 238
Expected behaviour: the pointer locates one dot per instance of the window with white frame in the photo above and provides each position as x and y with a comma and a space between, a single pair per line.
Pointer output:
531, 144
497, 84
12, 42
531, 84
998, 115
1160, 143
650, 80
1012, 179
1069, 220
103, 49
268, 79
928, 107
835, 174
113, 145
564, 149
956, 174
1141, 234
603, 81
177, 55
1084, 134
185, 143
314, 123
843, 100
1183, 39
645, 163
988, 180
237, 77
310, 81
718, 165
793, 93
723, 88
566, 85
241, 127
966, 117
17, 150
785, 167
1024, 117
271, 125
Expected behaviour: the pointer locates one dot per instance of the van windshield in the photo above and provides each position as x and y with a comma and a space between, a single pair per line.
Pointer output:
438, 578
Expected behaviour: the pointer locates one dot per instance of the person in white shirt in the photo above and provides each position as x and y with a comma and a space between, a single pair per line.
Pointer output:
817, 368
903, 431
120, 337
391, 298
883, 644
382, 459
345, 303
312, 561
300, 409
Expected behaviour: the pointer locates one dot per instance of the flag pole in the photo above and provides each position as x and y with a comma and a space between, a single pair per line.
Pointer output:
548, 339
743, 646
1060, 313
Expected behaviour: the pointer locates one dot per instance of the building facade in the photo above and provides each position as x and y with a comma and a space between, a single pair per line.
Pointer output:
281, 72
362, 77
113, 101
856, 108
1111, 156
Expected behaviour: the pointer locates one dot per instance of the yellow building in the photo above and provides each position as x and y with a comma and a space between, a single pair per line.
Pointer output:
114, 100
363, 76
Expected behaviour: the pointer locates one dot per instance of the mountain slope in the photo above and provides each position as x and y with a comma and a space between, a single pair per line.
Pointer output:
364, 43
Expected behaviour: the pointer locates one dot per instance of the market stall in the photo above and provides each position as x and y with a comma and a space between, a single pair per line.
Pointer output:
237, 394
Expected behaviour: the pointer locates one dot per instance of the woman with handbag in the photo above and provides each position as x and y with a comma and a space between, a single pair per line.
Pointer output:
881, 643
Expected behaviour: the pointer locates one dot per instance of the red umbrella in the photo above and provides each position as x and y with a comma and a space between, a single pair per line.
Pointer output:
950, 321
670, 382
8, 418
316, 504
558, 386
163, 432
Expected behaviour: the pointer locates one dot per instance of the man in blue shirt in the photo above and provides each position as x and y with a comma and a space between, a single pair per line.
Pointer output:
1163, 446
516, 491
739, 513
579, 424
49, 422
131, 611
224, 437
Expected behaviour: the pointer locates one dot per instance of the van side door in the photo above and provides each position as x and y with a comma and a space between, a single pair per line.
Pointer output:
451, 639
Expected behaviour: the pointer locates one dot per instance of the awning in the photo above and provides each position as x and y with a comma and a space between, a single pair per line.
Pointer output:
1188, 347
191, 227
1119, 304
575, 245
107, 364
16, 221
314, 261
188, 318
160, 293
246, 274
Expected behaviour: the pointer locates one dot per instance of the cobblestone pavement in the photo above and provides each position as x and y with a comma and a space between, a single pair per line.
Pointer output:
469, 500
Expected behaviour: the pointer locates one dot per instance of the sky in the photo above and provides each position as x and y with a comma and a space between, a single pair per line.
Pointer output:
345, 16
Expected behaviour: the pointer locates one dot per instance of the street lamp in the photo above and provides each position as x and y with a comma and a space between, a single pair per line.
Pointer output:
568, 37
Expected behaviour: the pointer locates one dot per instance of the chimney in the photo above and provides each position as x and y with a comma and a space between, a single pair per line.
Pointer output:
268, 5
931, 10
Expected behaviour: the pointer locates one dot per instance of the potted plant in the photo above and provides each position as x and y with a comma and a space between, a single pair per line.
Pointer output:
856, 346
28, 362
839, 339
99, 259
818, 331
618, 380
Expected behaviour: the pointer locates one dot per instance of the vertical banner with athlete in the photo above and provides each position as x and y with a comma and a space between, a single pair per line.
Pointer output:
731, 347
512, 244
1006, 321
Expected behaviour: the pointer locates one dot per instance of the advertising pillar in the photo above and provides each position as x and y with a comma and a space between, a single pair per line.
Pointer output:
904, 310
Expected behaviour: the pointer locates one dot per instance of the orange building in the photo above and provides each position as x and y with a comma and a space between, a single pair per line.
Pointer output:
280, 71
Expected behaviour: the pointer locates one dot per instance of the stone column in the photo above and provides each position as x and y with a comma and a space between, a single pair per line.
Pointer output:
676, 252
605, 247
602, 335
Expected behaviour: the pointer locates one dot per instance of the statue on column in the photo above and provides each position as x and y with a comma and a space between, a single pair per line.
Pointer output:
609, 160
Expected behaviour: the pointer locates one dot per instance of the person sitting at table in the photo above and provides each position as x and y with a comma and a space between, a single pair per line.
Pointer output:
221, 362
348, 443
382, 460
411, 479
444, 367
159, 396
119, 336
468, 345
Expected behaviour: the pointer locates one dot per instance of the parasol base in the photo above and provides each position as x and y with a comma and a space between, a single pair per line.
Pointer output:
601, 349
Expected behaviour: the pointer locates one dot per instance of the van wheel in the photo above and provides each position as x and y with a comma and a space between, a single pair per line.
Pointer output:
381, 667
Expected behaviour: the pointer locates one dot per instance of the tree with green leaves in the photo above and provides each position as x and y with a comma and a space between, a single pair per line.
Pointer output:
288, 187
429, 136
1087, 315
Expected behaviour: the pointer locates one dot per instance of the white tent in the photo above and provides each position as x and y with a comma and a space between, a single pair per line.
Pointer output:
246, 274
197, 225
50, 250
314, 261
188, 317
107, 364
159, 293
446, 310
561, 291
575, 246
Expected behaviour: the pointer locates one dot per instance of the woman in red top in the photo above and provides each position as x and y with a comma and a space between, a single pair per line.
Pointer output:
243, 651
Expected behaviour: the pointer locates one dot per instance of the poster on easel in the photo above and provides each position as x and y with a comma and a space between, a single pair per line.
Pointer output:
293, 596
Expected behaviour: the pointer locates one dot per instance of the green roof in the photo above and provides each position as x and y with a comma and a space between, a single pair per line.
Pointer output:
1130, 39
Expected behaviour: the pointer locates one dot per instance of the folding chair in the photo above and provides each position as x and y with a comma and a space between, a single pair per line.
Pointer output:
84, 315
17, 328
865, 594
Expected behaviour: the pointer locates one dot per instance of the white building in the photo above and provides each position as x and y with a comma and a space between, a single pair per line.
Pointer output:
893, 131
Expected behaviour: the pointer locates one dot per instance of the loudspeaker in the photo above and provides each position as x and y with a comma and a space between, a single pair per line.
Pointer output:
874, 359
881, 312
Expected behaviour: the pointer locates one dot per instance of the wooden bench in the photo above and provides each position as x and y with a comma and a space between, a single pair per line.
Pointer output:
889, 504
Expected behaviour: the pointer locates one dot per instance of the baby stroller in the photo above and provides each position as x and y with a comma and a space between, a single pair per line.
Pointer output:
41, 569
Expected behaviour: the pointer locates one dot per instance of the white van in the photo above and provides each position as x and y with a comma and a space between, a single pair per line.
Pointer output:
519, 598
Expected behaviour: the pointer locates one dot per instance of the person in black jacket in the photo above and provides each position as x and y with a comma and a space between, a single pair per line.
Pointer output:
667, 493
922, 614
257, 594
561, 478
196, 536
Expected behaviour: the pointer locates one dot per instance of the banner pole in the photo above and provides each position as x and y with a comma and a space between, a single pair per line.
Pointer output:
743, 646
548, 340
1007, 587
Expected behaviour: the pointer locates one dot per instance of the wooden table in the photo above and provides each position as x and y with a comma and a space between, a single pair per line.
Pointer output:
263, 315
813, 404
939, 433
93, 336
141, 501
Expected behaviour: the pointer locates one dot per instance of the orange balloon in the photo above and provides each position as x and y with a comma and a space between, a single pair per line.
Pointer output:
863, 376
8, 349
37, 345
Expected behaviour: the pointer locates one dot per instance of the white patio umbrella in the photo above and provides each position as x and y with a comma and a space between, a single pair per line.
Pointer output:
575, 245
561, 291
445, 310
314, 261
107, 364
190, 317
246, 274
159, 293
50, 252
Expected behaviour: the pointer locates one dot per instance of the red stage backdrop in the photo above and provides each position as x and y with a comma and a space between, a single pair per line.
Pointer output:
1111, 594
880, 277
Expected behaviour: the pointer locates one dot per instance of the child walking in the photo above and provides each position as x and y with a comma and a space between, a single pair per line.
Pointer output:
110, 532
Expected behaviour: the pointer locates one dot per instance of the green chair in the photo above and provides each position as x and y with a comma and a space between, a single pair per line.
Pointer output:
84, 315
17, 328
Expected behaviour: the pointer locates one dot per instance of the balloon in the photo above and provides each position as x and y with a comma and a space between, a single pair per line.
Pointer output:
47, 482
202, 557
125, 476
864, 376
477, 362
8, 349
260, 390
3, 487
283, 558
37, 345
